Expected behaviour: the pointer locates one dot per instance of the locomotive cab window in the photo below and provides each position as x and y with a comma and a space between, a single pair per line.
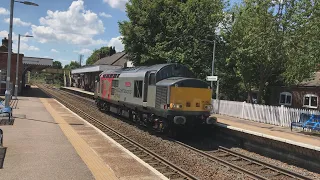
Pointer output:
152, 79
137, 89
115, 83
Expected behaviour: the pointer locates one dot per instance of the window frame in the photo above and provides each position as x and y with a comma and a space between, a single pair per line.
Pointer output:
310, 97
152, 81
3, 74
286, 94
136, 87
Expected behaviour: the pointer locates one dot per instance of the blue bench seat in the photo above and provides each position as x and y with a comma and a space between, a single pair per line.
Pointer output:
308, 121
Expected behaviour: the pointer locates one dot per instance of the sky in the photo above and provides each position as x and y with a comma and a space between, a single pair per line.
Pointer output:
64, 29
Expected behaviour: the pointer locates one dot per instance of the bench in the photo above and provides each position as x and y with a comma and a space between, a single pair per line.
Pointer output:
5, 112
308, 121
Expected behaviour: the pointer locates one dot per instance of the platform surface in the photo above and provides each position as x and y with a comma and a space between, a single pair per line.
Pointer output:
48, 141
79, 90
279, 132
37, 148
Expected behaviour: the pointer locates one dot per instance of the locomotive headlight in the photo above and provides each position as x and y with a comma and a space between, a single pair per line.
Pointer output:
175, 106
208, 107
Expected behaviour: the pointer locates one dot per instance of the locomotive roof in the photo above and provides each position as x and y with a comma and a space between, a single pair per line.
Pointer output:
139, 71
183, 82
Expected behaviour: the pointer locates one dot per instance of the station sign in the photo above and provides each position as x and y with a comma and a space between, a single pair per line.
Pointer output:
212, 78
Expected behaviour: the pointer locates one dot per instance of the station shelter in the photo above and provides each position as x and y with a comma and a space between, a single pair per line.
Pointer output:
85, 76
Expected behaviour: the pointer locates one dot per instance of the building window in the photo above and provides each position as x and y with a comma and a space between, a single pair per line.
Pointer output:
285, 98
3, 75
137, 89
310, 101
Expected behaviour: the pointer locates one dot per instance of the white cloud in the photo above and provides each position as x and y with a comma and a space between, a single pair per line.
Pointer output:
84, 51
118, 4
4, 11
105, 15
117, 43
14, 37
24, 47
17, 21
74, 26
54, 50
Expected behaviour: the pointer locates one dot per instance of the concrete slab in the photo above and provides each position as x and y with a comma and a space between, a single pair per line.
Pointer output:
37, 148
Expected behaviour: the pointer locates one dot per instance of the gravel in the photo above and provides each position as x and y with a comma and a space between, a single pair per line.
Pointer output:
188, 160
277, 163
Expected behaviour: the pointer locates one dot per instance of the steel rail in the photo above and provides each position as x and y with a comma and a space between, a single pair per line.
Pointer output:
278, 170
161, 164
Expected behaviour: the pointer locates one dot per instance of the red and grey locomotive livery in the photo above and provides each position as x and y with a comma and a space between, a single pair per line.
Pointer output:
162, 96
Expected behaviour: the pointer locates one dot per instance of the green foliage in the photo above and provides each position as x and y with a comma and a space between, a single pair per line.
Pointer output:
57, 65
72, 65
100, 53
269, 43
302, 39
172, 31
275, 42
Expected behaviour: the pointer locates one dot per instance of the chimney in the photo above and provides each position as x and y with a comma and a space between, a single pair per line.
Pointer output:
5, 42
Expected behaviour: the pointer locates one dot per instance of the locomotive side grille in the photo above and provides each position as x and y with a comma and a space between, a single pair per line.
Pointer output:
161, 95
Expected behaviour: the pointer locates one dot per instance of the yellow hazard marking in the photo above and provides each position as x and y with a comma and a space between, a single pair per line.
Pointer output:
99, 169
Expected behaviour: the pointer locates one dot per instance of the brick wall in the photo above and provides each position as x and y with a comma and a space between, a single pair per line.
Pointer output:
297, 95
3, 66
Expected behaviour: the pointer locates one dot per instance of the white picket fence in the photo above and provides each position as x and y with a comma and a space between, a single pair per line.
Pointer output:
275, 115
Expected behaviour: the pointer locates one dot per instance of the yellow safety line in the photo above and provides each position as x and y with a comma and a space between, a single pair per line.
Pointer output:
99, 169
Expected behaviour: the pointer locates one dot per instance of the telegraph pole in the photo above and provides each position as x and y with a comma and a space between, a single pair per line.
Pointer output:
80, 59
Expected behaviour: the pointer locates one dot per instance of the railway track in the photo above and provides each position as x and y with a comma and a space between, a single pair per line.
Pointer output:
253, 168
164, 166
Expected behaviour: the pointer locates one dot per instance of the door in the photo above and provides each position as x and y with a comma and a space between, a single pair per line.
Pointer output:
151, 98
145, 87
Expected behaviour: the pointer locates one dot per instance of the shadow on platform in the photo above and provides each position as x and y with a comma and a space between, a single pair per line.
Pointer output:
38, 120
34, 92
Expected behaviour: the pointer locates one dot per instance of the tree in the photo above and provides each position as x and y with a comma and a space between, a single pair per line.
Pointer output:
301, 28
100, 53
72, 65
275, 42
172, 31
57, 65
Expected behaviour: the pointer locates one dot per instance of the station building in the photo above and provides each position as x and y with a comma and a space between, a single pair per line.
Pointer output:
85, 77
26, 64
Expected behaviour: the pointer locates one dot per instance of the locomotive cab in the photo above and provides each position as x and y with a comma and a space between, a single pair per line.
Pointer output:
188, 100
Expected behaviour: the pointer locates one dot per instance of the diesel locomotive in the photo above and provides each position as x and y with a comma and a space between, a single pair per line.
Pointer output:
162, 96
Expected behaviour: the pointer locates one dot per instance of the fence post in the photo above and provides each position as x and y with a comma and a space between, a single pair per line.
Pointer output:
281, 115
242, 111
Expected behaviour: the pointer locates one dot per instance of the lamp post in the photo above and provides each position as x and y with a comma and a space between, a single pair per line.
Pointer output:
7, 93
213, 57
17, 69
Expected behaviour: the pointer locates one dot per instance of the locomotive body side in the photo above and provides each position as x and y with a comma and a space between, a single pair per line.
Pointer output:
155, 97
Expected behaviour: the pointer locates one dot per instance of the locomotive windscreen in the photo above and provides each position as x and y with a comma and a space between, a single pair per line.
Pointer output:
174, 71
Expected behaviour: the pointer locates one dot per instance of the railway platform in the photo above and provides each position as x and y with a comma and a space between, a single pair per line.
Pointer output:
48, 141
278, 133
